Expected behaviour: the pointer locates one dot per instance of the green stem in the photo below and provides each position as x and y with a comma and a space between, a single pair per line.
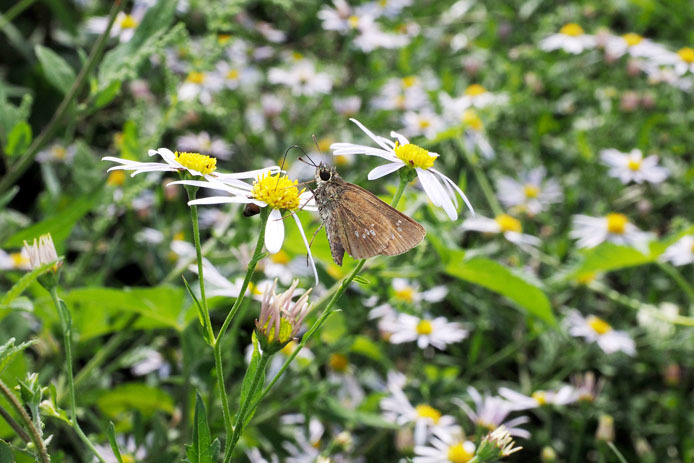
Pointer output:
192, 190
257, 255
481, 178
67, 342
340, 289
35, 436
15, 426
14, 11
678, 278
617, 452
24, 162
245, 406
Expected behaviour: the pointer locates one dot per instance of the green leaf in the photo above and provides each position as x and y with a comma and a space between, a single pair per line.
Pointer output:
495, 277
23, 284
607, 257
59, 225
134, 396
366, 347
55, 68
201, 312
203, 449
11, 115
6, 455
111, 434
19, 139
355, 417
253, 366
8, 351
106, 95
8, 196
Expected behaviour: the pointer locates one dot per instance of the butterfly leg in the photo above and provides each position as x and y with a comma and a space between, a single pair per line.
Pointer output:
313, 238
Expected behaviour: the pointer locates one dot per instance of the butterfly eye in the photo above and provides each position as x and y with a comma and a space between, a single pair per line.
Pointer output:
325, 175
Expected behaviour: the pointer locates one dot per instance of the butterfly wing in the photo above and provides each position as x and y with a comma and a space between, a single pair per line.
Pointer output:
369, 227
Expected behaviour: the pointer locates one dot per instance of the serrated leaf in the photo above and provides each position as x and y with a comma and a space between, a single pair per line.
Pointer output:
8, 351
55, 68
495, 277
203, 449
19, 139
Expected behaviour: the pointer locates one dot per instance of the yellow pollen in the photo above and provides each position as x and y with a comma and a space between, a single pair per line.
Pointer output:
196, 77
196, 161
18, 260
223, 38
409, 81
341, 160
540, 396
405, 294
632, 39
253, 289
472, 120
59, 152
233, 74
338, 362
458, 454
353, 21
128, 22
686, 54
616, 223
414, 156
179, 236
423, 123
475, 90
116, 178
531, 191
383, 3
571, 29
277, 191
508, 223
424, 327
296, 56
280, 257
634, 164
427, 411
599, 325
128, 458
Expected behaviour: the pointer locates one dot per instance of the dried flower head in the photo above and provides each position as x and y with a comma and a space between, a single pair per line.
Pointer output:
280, 318
43, 253
496, 445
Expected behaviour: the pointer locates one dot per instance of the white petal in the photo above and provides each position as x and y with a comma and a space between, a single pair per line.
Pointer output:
385, 169
435, 190
308, 249
220, 200
274, 232
370, 134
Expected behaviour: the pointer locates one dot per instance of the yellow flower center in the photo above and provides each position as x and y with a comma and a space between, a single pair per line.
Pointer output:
427, 411
223, 38
353, 21
128, 22
405, 294
424, 327
127, 458
296, 56
196, 161
472, 120
18, 260
634, 164
59, 152
289, 348
540, 396
686, 54
692, 248
423, 123
196, 77
179, 236
253, 289
338, 362
116, 178
599, 325
616, 223
409, 81
233, 74
571, 29
280, 257
475, 90
458, 454
383, 3
632, 39
414, 156
277, 191
531, 191
508, 223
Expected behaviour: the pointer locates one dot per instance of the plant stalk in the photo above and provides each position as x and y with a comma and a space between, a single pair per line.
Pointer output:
35, 435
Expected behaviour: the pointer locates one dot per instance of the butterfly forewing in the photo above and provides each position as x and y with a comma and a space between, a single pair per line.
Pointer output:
368, 227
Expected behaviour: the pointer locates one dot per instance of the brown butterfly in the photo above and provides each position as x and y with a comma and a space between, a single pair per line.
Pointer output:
358, 222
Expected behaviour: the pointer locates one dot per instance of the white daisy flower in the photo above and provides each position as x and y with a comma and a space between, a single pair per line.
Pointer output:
586, 388
371, 37
635, 45
564, 395
347, 106
124, 25
14, 260
302, 78
509, 226
129, 450
405, 94
277, 192
218, 285
308, 439
490, 413
614, 227
341, 375
682, 60
424, 122
437, 332
409, 291
238, 75
476, 96
440, 189
282, 267
475, 137
425, 418
203, 143
445, 447
341, 17
57, 153
387, 8
633, 167
681, 252
196, 164
570, 38
532, 194
254, 456
148, 361
200, 85
595, 329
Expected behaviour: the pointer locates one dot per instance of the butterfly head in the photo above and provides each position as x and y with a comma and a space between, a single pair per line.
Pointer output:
324, 173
